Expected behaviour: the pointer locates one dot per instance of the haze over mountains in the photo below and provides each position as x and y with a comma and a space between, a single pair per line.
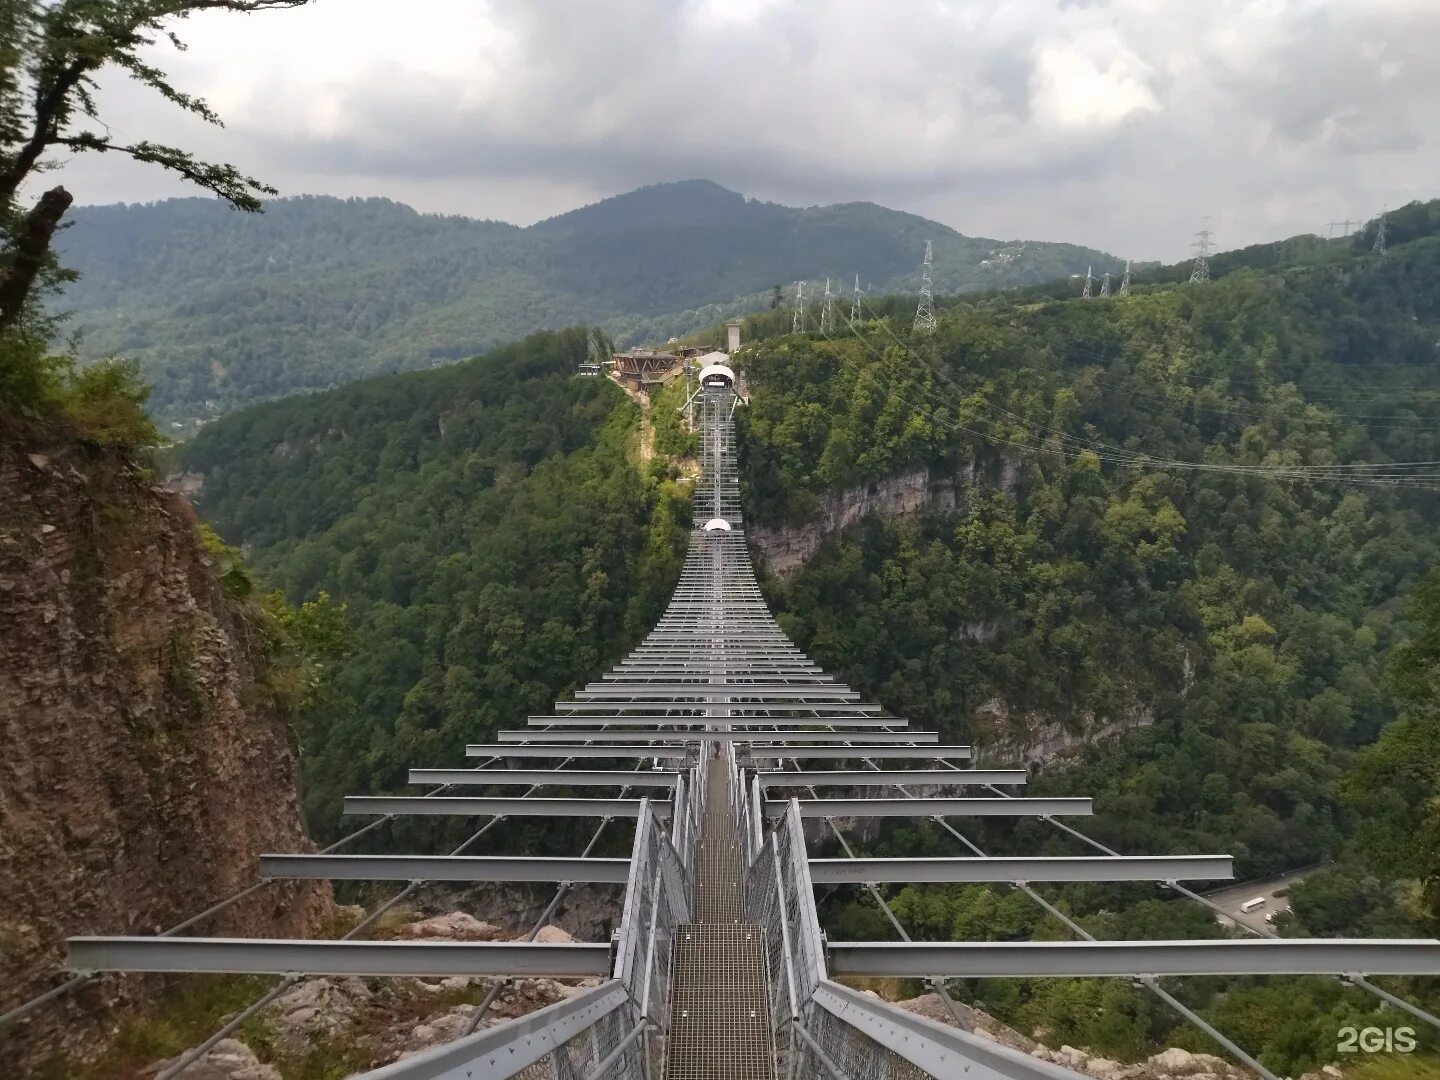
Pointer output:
221, 309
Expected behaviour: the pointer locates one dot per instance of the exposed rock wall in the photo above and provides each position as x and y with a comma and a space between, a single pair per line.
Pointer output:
1027, 738
785, 548
1004, 737
144, 764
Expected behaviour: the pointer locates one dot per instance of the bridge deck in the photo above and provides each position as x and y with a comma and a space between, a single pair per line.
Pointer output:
719, 1006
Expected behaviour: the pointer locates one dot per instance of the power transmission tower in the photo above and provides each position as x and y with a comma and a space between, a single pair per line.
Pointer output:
1089, 284
1201, 273
1105, 285
925, 312
827, 312
1380, 233
797, 318
1125, 280
855, 304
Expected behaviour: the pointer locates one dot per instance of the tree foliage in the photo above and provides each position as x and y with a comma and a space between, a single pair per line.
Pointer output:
488, 529
223, 312
1051, 592
50, 57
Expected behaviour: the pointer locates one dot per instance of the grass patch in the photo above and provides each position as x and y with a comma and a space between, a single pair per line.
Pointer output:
186, 1013
1393, 1067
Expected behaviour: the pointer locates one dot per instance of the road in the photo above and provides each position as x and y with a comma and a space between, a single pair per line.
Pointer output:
1231, 897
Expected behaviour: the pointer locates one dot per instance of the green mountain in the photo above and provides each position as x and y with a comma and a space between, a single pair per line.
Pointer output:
1180, 509
223, 309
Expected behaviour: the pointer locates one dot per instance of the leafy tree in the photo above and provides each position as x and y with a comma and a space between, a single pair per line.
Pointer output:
50, 55
1395, 784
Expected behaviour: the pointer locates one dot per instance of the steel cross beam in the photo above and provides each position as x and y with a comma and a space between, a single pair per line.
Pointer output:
710, 691
668, 736
730, 703
893, 778
915, 808
556, 777
1086, 959
857, 750
444, 868
1025, 868
558, 750
466, 806
262, 956
701, 721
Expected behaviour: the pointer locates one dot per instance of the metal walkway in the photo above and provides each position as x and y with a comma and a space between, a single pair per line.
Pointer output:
718, 739
719, 1001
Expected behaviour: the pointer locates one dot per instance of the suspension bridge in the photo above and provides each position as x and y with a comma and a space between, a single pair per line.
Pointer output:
730, 751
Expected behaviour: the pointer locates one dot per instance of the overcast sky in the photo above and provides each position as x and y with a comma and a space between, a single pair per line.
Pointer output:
1115, 123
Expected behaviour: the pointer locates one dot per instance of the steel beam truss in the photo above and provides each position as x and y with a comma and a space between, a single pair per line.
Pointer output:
716, 690
1089, 959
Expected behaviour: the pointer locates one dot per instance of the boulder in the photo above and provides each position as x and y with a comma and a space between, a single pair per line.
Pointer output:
1177, 1062
316, 1009
229, 1059
1104, 1068
456, 926
1071, 1058
553, 935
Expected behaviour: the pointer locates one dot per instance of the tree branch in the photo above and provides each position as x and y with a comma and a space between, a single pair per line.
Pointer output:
31, 247
226, 181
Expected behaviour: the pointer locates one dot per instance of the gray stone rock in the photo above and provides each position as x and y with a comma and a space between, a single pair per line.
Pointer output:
229, 1059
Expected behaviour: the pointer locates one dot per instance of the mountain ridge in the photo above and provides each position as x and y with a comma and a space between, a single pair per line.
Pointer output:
221, 310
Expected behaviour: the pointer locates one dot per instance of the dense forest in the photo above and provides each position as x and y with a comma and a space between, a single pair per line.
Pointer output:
221, 310
487, 528
1152, 523
1255, 615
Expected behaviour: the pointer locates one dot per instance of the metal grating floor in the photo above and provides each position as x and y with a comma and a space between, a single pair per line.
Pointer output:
717, 876
719, 1001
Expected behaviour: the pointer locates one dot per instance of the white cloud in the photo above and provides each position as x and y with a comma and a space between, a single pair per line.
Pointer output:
1118, 123
1090, 84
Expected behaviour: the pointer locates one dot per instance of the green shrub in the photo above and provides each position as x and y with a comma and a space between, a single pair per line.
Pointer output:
106, 404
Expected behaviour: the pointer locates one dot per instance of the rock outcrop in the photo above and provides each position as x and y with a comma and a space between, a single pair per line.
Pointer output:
1007, 738
229, 1060
786, 548
146, 764
1171, 1064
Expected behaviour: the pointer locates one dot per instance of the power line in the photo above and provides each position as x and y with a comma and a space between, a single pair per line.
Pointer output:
797, 318
1125, 281
1105, 285
1379, 247
855, 304
1071, 447
1089, 284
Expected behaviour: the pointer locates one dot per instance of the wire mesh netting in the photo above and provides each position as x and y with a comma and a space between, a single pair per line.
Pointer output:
852, 1052
779, 900
578, 1058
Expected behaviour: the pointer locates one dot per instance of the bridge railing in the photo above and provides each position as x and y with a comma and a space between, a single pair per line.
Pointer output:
825, 1029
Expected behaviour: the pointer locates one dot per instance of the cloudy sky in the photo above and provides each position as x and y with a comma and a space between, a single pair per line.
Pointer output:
1116, 123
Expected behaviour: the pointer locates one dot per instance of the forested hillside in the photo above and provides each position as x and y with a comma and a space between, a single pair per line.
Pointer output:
487, 527
1247, 597
222, 310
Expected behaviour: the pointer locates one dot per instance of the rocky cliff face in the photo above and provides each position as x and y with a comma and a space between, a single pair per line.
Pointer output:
1004, 736
145, 763
1028, 738
788, 547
